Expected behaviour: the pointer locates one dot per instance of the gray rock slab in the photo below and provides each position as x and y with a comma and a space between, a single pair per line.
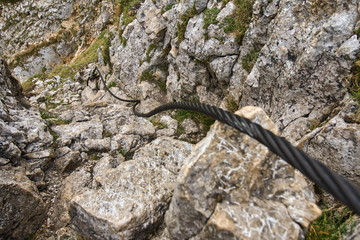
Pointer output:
131, 199
232, 187
22, 210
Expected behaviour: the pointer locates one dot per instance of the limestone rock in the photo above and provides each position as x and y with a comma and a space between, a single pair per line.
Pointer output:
303, 75
337, 143
22, 209
130, 199
22, 129
232, 187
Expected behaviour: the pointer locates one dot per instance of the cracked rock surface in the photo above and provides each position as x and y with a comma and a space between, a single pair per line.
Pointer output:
232, 187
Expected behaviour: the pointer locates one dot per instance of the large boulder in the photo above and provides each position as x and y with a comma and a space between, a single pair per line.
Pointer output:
22, 209
129, 200
232, 187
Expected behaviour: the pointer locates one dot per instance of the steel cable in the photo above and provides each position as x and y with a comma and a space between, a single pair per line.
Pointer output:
336, 185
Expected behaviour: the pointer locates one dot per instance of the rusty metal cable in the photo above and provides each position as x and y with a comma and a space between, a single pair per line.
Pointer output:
341, 188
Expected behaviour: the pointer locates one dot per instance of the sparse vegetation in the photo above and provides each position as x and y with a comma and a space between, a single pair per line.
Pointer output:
90, 55
199, 118
239, 21
149, 77
210, 18
149, 50
333, 224
354, 85
231, 104
28, 86
181, 29
128, 10
112, 84
156, 122
249, 60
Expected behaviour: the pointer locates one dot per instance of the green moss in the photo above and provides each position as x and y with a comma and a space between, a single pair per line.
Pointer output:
228, 24
181, 29
112, 84
333, 224
128, 9
28, 86
168, 7
199, 118
95, 156
249, 60
9, 1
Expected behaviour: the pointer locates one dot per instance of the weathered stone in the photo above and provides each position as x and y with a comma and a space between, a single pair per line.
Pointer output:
137, 126
46, 58
130, 200
22, 129
66, 159
99, 145
289, 82
190, 126
150, 17
337, 143
81, 130
22, 209
222, 68
232, 187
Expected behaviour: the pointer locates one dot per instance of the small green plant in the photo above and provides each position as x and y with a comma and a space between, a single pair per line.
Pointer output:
181, 28
95, 156
231, 104
333, 224
149, 77
112, 84
199, 118
239, 21
168, 7
210, 18
150, 48
228, 24
46, 115
123, 152
156, 122
249, 60
354, 85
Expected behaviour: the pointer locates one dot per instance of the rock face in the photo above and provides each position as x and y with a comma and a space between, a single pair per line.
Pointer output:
22, 208
232, 187
299, 82
129, 201
85, 152
21, 131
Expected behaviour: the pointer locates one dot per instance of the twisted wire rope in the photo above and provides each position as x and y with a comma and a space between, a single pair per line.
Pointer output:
341, 188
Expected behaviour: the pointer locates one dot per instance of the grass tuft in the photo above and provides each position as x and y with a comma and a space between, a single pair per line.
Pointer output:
354, 85
181, 29
239, 21
90, 55
333, 224
249, 60
199, 118
28, 86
